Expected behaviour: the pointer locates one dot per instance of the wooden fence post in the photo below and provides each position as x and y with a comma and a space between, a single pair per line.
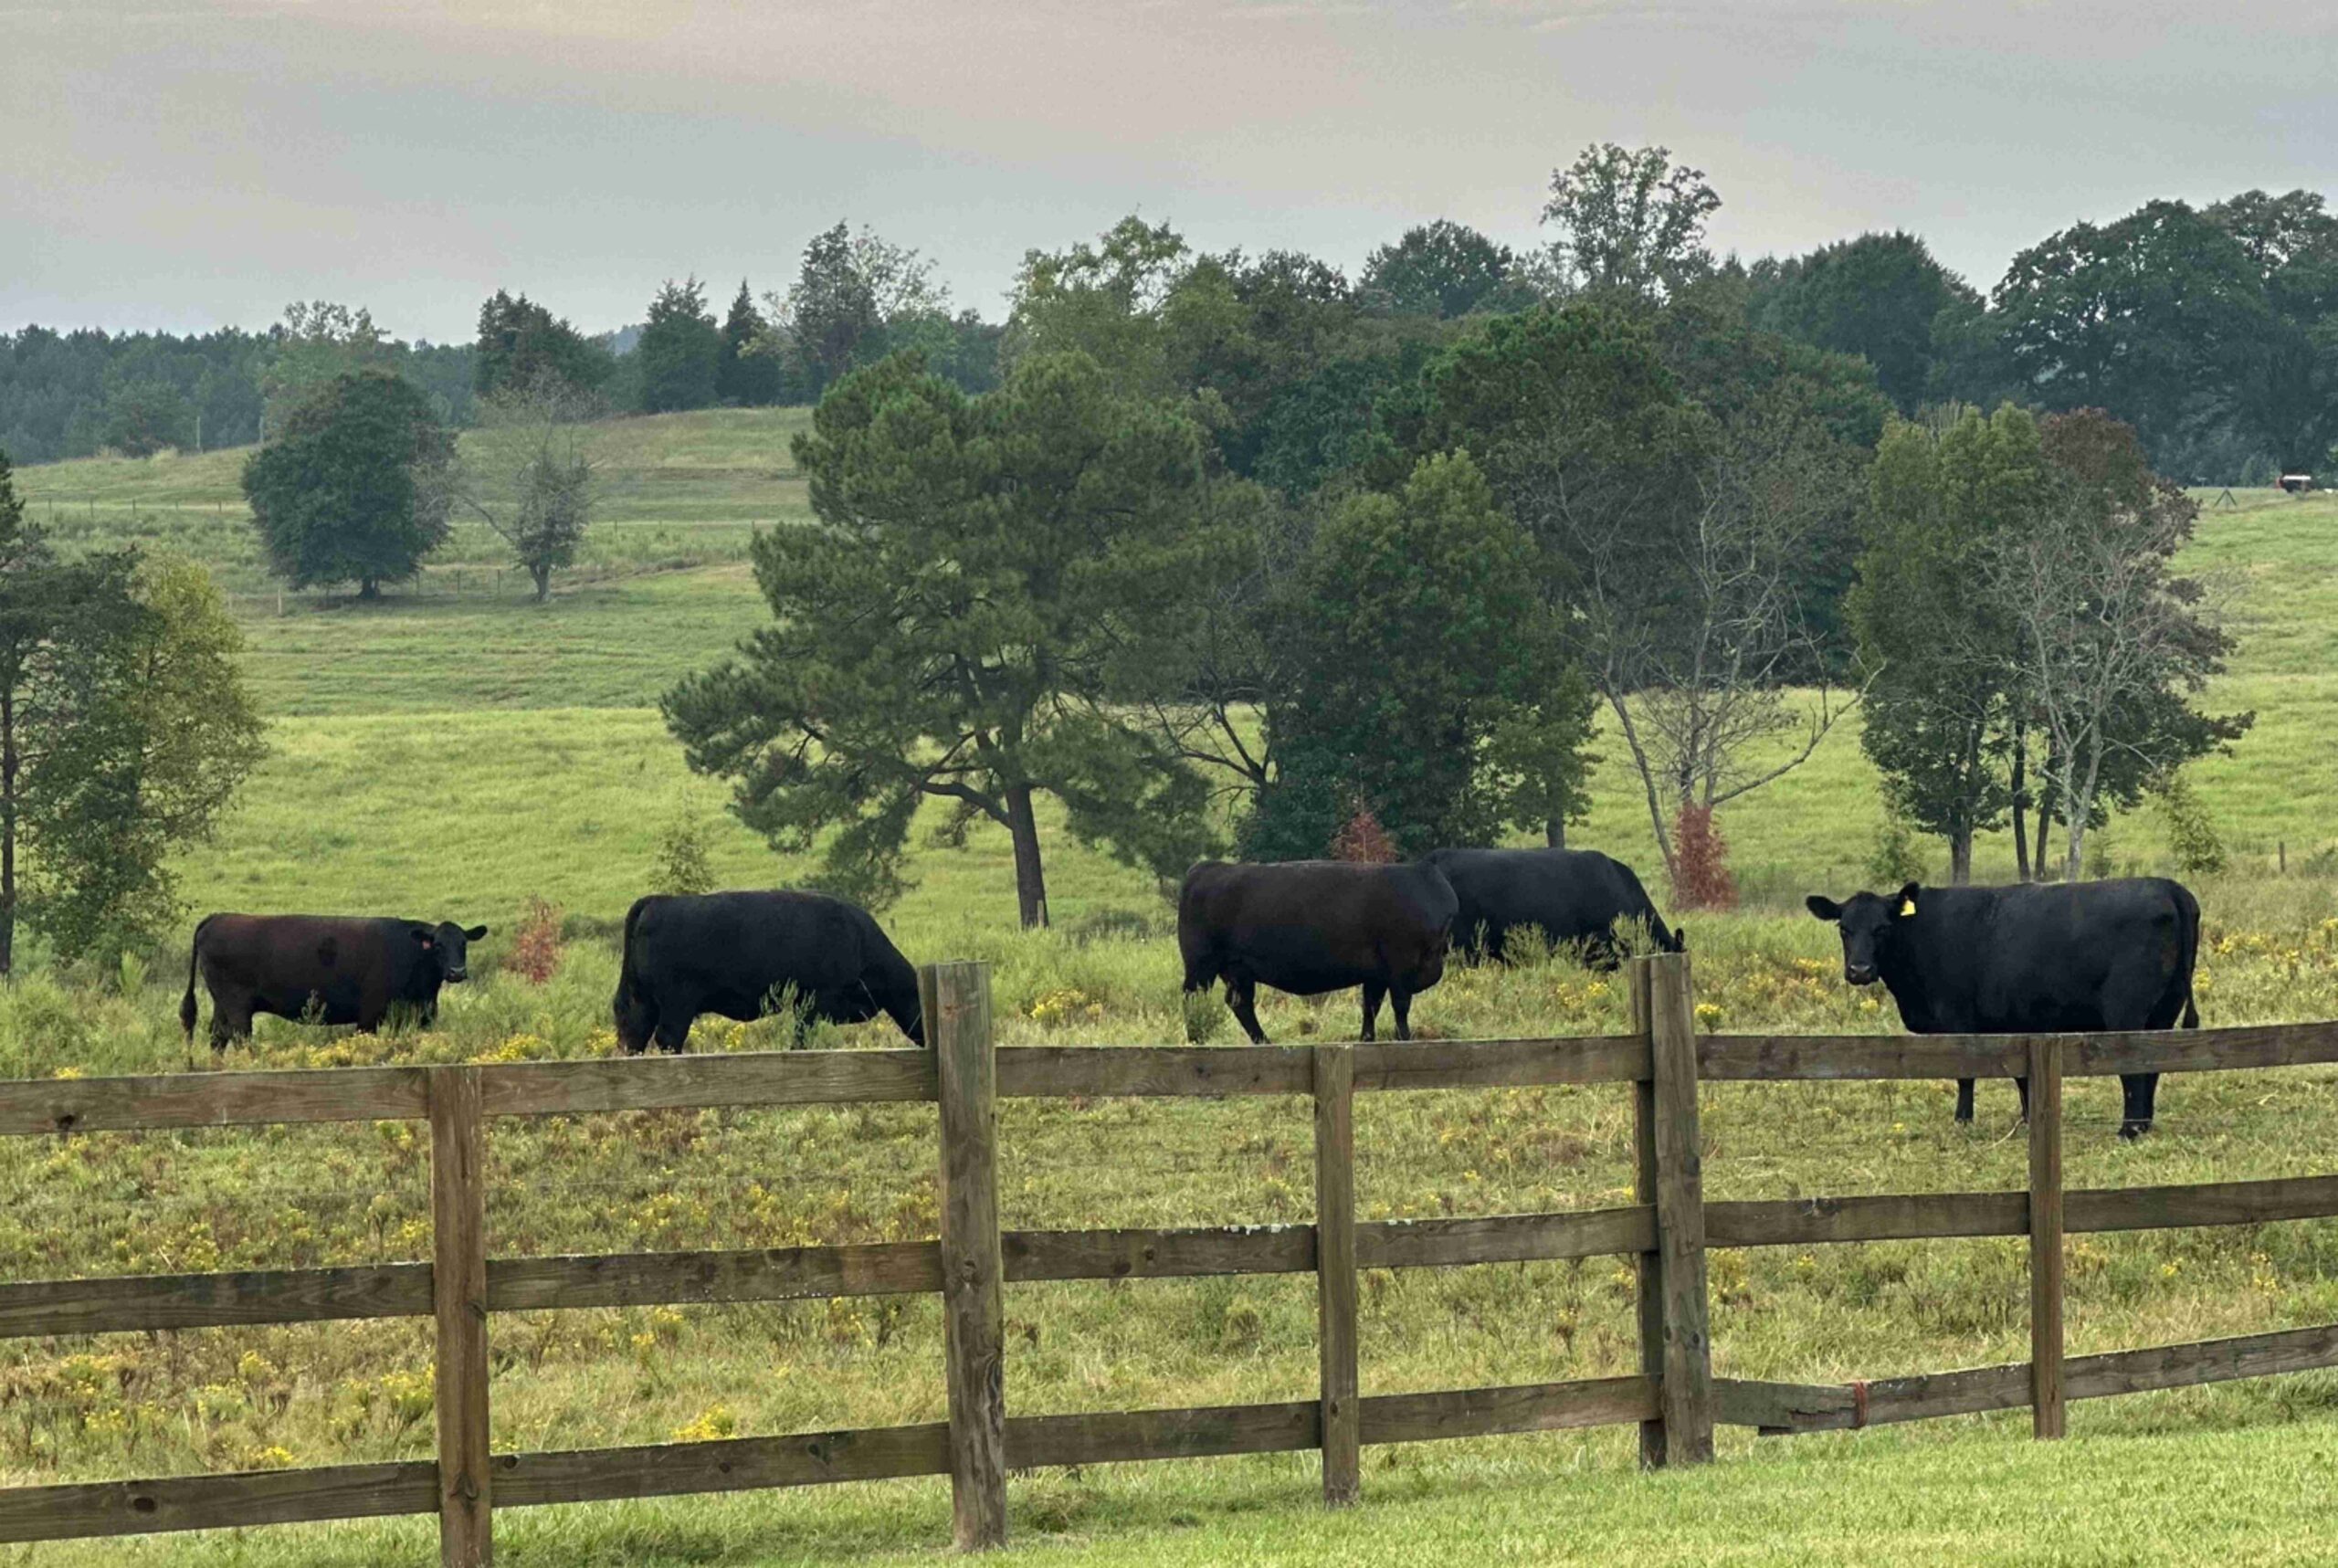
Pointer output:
2045, 1399
1335, 1272
458, 1292
955, 998
1648, 1266
1676, 1332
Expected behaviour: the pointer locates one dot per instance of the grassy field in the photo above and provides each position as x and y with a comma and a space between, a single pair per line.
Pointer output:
457, 751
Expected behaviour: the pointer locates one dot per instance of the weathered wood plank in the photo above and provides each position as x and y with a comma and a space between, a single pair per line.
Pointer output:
1059, 1072
2238, 1049
735, 1464
1505, 1238
1500, 1064
2049, 1418
1648, 1266
2203, 1203
956, 1003
212, 1503
458, 1296
1335, 1272
210, 1099
1171, 1254
1687, 1384
1782, 1407
650, 1278
1883, 1217
1109, 1436
1831, 1057
688, 1082
1532, 1407
2204, 1360
139, 1301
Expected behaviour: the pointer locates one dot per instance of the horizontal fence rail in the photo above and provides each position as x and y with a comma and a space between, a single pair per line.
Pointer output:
1674, 1400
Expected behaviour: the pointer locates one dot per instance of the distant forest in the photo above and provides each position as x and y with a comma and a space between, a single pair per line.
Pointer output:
2212, 330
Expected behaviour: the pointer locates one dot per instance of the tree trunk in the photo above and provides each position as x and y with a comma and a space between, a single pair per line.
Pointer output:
1554, 833
1960, 856
543, 574
1030, 880
2045, 830
2021, 803
368, 589
8, 766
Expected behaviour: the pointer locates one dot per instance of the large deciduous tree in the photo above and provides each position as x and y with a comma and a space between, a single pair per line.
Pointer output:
124, 728
1943, 711
1878, 296
2284, 386
317, 343
1630, 222
968, 621
352, 487
2109, 643
1442, 269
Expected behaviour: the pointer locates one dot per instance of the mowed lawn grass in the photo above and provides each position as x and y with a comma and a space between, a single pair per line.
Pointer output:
454, 752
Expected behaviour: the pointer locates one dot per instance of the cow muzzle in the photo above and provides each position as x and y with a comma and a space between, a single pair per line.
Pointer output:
459, 974
1859, 973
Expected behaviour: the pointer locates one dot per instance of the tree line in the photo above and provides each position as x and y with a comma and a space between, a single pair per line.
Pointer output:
1238, 553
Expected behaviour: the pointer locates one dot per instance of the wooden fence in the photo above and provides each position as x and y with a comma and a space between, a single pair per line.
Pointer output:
1674, 1398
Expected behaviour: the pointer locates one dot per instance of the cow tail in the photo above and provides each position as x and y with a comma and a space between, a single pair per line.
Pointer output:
627, 980
2191, 958
186, 1003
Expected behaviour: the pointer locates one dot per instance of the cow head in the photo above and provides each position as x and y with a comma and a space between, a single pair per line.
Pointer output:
1867, 923
450, 944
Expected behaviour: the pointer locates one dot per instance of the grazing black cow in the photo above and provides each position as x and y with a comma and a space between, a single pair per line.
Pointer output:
1570, 895
2075, 958
735, 954
1313, 926
319, 968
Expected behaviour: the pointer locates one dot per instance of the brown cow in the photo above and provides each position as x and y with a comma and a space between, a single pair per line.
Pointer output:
322, 969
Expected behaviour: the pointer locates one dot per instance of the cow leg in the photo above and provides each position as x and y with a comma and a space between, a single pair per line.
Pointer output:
1402, 1003
2140, 1091
1373, 996
1242, 996
1965, 1100
673, 1034
229, 1021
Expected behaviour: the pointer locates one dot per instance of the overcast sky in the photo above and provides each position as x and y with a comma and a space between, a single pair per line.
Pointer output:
185, 164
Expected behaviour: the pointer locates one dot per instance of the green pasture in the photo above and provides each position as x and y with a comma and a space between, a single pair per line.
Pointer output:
456, 751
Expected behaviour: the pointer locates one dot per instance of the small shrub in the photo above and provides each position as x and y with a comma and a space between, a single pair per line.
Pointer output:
1362, 841
535, 951
1700, 878
684, 865
1896, 858
1206, 1017
2193, 841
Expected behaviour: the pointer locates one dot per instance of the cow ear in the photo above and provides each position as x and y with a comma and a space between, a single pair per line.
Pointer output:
474, 933
1823, 907
1907, 904
424, 935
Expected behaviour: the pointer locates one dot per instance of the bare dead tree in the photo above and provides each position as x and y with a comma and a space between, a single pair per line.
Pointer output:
2107, 633
1692, 613
527, 473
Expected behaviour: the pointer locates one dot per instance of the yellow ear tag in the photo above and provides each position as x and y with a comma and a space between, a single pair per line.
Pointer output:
1907, 908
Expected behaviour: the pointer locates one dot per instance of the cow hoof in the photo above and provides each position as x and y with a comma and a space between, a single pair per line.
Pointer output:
2131, 1130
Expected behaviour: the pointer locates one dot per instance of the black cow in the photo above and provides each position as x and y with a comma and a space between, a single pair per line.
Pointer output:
734, 953
2074, 958
1570, 895
319, 968
1313, 926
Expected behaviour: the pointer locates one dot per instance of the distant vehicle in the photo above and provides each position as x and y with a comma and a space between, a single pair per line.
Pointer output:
2296, 484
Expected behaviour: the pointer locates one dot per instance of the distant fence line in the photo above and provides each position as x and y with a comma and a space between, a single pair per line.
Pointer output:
1668, 1228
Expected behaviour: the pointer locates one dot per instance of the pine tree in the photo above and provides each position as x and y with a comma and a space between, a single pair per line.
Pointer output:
748, 373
